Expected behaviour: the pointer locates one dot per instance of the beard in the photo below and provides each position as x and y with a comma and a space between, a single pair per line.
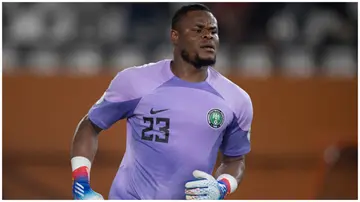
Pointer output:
197, 62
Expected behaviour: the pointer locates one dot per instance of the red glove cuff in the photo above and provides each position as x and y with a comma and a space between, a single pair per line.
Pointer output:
81, 174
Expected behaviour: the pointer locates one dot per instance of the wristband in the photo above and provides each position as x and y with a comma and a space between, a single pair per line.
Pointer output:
81, 168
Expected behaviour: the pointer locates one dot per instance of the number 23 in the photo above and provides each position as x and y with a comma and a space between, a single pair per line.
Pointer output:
164, 129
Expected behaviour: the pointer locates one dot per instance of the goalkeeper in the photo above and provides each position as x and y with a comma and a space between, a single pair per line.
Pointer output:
179, 113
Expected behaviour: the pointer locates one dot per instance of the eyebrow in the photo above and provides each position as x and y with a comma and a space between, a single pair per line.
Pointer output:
202, 26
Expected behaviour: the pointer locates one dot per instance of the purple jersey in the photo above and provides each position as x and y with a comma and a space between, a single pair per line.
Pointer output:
173, 128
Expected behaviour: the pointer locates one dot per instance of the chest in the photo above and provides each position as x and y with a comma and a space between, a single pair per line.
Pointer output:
189, 112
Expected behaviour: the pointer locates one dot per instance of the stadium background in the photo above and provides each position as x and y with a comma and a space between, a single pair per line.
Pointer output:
298, 62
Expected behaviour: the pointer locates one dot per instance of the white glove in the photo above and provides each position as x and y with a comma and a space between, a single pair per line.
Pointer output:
206, 187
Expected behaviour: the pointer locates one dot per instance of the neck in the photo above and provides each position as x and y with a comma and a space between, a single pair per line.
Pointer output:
187, 71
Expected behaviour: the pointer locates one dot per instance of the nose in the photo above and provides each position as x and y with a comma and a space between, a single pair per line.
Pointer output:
208, 35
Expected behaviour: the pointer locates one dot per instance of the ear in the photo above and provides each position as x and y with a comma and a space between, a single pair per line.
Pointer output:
174, 36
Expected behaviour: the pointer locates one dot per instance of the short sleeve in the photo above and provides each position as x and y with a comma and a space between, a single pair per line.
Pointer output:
118, 102
236, 141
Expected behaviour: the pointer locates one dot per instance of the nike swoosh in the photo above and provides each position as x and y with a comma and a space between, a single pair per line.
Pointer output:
157, 111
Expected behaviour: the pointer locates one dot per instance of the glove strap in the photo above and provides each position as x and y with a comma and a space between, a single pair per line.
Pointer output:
223, 189
227, 183
81, 174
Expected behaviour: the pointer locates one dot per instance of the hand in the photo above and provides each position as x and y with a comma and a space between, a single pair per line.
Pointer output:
205, 187
82, 191
81, 186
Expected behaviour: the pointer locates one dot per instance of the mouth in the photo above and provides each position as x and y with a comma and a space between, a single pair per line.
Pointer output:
208, 47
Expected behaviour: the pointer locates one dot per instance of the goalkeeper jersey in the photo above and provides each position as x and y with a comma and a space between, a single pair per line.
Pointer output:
173, 127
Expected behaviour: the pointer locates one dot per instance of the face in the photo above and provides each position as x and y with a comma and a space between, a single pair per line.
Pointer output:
197, 38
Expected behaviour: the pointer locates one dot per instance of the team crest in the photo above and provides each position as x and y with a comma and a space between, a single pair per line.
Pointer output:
215, 118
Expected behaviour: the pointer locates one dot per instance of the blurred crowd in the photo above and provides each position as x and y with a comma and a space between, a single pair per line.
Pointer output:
256, 39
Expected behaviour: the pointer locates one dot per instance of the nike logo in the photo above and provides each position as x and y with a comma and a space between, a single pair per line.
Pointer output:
152, 111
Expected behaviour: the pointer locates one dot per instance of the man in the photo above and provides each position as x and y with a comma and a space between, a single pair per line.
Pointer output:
179, 114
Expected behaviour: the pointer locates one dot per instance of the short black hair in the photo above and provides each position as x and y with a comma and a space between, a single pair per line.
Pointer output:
181, 12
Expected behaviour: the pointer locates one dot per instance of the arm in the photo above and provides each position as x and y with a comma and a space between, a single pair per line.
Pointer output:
117, 103
83, 150
234, 166
235, 145
85, 140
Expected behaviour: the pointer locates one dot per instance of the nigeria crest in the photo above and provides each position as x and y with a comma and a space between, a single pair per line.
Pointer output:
215, 118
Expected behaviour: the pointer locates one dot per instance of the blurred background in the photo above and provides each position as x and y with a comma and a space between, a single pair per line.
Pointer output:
298, 62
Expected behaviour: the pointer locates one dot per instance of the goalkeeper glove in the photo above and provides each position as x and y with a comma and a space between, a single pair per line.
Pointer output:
206, 187
81, 180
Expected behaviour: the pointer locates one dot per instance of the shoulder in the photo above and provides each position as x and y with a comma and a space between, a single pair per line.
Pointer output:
235, 96
135, 72
141, 79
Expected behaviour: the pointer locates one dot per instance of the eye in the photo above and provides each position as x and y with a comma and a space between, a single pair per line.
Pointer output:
214, 31
196, 29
